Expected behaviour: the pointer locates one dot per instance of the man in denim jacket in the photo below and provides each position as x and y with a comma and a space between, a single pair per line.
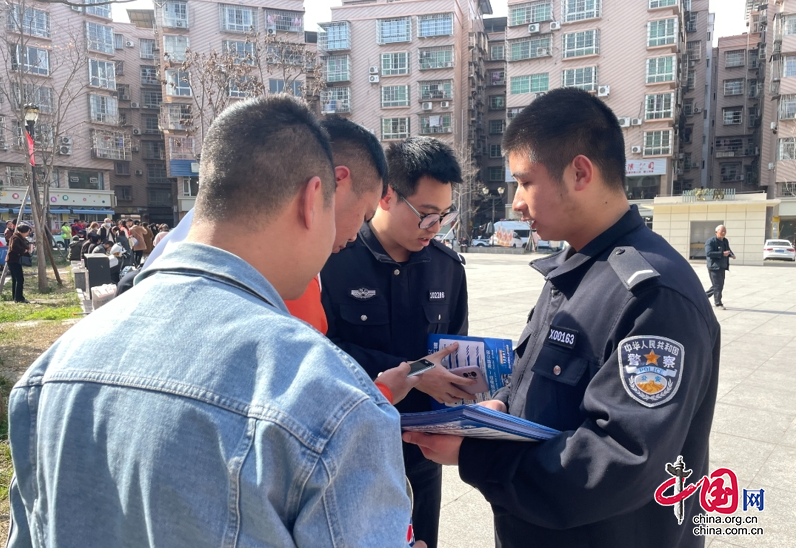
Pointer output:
219, 420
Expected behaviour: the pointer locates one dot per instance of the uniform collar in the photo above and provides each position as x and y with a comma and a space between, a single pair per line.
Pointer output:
369, 239
558, 265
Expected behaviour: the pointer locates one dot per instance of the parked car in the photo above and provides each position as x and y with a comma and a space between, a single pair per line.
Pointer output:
779, 249
481, 242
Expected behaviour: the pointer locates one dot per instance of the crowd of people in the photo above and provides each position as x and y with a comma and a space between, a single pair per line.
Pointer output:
255, 396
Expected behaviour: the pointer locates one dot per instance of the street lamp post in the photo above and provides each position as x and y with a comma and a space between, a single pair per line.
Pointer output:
487, 194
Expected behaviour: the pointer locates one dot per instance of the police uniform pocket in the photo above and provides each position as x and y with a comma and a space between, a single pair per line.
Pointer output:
365, 314
438, 317
560, 365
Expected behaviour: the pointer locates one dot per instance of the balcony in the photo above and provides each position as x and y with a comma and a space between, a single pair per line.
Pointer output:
334, 36
336, 101
664, 6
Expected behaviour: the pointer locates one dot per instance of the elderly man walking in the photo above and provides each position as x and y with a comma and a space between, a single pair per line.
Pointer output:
718, 254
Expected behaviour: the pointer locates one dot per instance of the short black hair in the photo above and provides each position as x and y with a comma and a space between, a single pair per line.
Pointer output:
257, 155
416, 157
23, 229
359, 150
564, 123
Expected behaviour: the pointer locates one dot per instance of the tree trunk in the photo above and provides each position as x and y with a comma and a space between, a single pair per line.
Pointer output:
38, 220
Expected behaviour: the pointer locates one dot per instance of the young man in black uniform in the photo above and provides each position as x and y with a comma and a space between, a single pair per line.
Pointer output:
621, 353
387, 291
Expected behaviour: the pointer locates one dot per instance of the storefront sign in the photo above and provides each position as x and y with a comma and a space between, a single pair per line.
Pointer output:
641, 168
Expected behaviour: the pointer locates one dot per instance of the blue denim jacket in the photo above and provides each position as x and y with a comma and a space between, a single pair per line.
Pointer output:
188, 412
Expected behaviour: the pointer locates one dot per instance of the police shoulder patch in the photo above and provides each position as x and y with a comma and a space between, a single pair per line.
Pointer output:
651, 368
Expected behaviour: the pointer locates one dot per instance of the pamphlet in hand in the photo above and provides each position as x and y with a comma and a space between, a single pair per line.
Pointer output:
476, 421
495, 358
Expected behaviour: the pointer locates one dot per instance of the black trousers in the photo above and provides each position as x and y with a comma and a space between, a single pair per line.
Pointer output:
138, 256
426, 480
717, 279
17, 281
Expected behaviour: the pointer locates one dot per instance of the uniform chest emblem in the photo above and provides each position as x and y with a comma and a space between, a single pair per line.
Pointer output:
436, 295
363, 294
651, 368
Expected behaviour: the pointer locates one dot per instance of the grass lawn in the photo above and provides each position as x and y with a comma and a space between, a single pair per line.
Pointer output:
27, 330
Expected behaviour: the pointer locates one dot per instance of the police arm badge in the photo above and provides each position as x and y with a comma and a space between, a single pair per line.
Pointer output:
651, 368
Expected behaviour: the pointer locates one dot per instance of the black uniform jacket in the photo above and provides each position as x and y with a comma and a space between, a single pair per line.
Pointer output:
626, 303
381, 312
714, 252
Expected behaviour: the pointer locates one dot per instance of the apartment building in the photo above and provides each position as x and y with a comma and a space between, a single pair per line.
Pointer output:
493, 170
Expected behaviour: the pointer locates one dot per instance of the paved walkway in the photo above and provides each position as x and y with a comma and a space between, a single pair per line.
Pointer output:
754, 429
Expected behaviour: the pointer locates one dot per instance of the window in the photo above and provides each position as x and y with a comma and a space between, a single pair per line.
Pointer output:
688, 131
176, 116
532, 12
110, 145
582, 78
29, 21
102, 11
181, 148
121, 168
394, 128
123, 193
149, 76
238, 19
789, 25
435, 124
190, 186
514, 112
576, 44
31, 93
102, 74
436, 89
159, 197
529, 48
34, 60
659, 106
496, 173
390, 31
690, 80
662, 3
150, 124
533, 83
687, 160
787, 107
436, 58
99, 37
241, 51
657, 143
337, 68
437, 24
151, 98
42, 135
733, 87
497, 78
497, 102
494, 151
789, 66
731, 172
786, 149
736, 58
334, 36
688, 107
175, 14
754, 88
660, 69
285, 21
577, 10
89, 180
497, 53
278, 86
153, 150
691, 21
661, 32
146, 48
694, 50
394, 63
732, 116
178, 83
242, 86
394, 96
496, 127
104, 110
175, 47
335, 100
16, 176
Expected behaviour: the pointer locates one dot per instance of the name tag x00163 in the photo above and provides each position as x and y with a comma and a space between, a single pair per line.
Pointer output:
562, 336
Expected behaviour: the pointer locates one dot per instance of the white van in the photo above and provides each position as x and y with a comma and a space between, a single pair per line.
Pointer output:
511, 234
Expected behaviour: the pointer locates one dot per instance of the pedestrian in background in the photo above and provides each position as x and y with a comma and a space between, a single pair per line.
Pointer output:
9, 231
18, 247
164, 229
718, 255
139, 245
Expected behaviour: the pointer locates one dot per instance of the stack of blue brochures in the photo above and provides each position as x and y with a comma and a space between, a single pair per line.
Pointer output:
476, 421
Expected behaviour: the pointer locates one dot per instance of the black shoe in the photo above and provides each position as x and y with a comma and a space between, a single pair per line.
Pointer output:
719, 305
23, 301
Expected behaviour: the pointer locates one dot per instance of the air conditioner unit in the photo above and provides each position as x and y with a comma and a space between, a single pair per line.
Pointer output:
130, 44
136, 131
373, 70
66, 140
124, 97
540, 94
93, 180
692, 64
696, 110
3, 146
373, 78
136, 149
139, 172
447, 130
771, 165
445, 104
555, 25
542, 52
449, 64
181, 24
65, 150
635, 150
134, 105
636, 122
534, 28
624, 122
427, 106
76, 8
603, 91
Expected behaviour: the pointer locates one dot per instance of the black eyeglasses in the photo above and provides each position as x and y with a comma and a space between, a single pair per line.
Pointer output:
427, 221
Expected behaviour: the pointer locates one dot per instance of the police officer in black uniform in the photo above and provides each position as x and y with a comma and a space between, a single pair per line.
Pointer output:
387, 291
620, 353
